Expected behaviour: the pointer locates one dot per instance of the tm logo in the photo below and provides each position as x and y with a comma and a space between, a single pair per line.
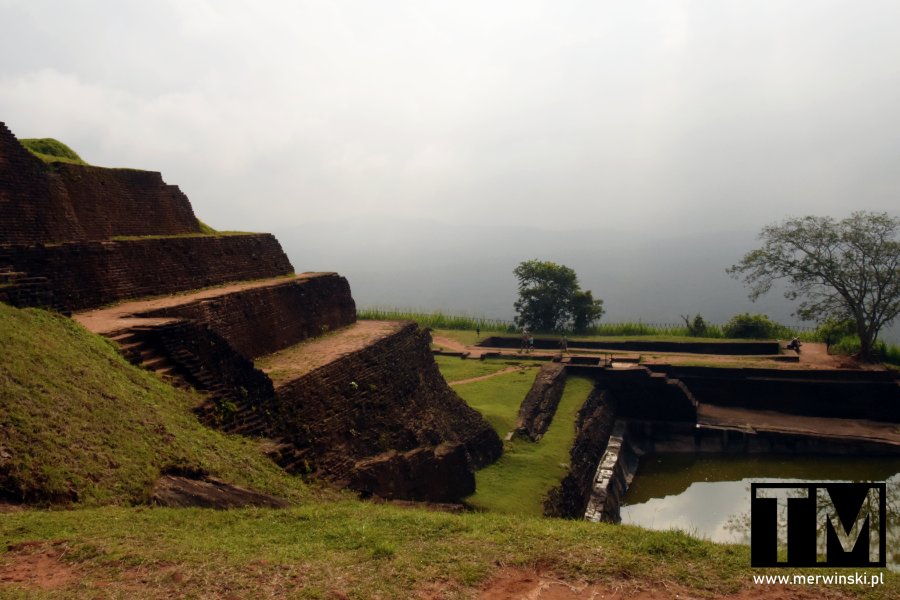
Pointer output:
818, 524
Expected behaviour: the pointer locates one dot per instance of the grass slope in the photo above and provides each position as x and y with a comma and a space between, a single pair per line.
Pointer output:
51, 151
519, 481
78, 423
498, 398
456, 369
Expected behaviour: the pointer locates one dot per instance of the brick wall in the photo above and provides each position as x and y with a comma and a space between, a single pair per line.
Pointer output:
260, 321
125, 202
540, 404
387, 397
84, 275
41, 204
592, 431
33, 207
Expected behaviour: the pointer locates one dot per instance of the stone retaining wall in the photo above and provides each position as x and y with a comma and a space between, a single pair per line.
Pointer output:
873, 395
85, 275
593, 428
42, 204
540, 404
687, 346
384, 401
263, 320
125, 202
613, 476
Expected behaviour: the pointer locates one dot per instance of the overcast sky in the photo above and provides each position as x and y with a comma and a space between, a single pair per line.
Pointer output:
637, 116
550, 114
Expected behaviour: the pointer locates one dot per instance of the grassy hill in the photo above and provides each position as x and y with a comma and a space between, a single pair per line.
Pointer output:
51, 151
80, 424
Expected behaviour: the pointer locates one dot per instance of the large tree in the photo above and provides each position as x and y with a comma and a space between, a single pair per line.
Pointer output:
848, 269
550, 298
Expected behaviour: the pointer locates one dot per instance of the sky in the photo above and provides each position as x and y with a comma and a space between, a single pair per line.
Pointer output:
639, 123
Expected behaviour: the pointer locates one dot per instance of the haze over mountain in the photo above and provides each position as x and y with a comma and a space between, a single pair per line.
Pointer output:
468, 269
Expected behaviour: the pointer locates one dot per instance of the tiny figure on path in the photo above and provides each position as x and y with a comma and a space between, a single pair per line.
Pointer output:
477, 333
531, 343
564, 344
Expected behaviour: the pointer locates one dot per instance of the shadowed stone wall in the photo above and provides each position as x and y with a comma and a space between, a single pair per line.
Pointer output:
260, 321
89, 274
42, 203
381, 403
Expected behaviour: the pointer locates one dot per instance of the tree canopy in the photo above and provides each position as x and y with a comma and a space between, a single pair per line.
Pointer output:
551, 299
847, 269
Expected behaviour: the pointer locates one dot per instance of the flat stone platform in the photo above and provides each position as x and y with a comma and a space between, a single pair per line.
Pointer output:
119, 317
296, 361
761, 421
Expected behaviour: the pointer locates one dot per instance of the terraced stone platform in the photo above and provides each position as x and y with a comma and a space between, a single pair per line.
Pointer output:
359, 404
756, 422
301, 359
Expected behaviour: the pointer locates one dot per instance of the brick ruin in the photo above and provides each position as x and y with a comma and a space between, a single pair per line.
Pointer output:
377, 417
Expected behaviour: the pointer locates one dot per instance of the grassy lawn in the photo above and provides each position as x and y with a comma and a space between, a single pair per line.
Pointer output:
345, 549
519, 481
469, 338
498, 398
456, 369
358, 550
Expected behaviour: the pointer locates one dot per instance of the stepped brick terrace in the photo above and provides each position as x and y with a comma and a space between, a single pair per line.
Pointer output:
123, 250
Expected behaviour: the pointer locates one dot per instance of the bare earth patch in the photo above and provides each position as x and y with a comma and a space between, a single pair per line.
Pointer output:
36, 565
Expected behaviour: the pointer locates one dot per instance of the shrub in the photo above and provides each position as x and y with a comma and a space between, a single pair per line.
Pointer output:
756, 327
832, 330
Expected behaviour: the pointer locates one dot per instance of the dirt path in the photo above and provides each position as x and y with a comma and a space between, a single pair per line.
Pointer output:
488, 376
120, 316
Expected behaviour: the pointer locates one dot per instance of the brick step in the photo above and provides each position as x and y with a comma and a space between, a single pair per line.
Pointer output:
155, 364
128, 337
256, 426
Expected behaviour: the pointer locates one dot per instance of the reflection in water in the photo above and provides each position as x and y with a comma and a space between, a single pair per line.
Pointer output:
709, 496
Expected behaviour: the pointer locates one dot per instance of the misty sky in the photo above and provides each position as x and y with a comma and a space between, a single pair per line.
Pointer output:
636, 118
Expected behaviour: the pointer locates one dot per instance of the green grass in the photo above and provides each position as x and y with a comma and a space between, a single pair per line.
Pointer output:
204, 228
518, 483
79, 423
439, 320
434, 320
51, 151
202, 233
456, 369
498, 398
353, 550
